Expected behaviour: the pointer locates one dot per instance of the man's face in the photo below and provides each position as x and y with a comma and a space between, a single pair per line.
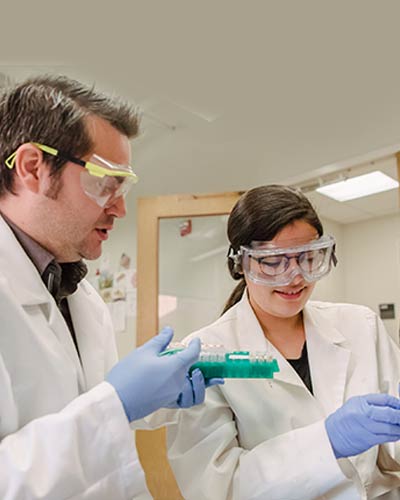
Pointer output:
74, 225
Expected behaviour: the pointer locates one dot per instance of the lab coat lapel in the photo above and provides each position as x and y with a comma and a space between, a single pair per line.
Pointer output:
328, 356
25, 283
252, 338
88, 323
61, 330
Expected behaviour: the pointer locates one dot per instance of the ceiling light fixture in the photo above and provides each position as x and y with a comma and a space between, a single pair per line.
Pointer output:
357, 187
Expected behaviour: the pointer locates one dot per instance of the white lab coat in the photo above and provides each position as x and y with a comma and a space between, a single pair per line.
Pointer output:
63, 431
266, 440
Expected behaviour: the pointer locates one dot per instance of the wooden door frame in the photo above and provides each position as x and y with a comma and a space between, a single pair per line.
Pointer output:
151, 444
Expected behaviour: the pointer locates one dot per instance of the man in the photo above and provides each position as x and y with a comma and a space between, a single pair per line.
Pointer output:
64, 172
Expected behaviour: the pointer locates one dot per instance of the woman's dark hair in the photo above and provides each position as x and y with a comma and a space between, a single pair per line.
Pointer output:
259, 215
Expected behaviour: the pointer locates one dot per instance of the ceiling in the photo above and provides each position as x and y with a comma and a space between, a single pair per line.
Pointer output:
367, 207
234, 94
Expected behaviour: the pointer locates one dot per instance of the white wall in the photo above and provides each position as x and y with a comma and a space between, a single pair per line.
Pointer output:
371, 260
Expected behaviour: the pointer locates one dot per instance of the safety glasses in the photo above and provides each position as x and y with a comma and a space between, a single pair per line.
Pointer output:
102, 180
267, 264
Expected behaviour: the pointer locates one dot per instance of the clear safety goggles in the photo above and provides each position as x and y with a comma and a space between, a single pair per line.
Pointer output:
267, 264
101, 180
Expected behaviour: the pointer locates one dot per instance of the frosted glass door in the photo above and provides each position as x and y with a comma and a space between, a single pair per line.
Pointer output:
194, 282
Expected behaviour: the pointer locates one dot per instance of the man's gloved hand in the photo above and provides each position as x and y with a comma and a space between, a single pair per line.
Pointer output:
145, 381
363, 422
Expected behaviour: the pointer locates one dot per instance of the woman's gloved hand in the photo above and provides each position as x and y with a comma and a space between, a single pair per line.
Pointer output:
145, 381
194, 390
363, 422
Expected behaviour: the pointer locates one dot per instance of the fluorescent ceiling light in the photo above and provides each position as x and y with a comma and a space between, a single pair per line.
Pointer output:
357, 187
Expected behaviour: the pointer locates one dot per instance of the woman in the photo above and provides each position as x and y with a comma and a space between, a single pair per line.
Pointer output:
325, 427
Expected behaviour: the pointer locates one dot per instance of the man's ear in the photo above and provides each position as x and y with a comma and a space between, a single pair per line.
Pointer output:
30, 169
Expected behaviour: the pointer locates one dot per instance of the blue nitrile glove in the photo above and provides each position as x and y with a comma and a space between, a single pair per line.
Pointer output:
194, 390
363, 422
145, 381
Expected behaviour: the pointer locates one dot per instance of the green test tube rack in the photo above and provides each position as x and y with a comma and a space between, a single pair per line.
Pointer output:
214, 361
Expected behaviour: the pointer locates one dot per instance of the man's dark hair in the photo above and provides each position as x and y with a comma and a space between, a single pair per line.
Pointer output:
52, 110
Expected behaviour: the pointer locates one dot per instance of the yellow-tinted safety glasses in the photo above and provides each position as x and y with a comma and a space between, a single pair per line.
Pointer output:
102, 180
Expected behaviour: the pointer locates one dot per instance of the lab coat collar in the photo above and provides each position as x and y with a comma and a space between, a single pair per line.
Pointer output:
22, 277
315, 320
328, 355
327, 351
26, 285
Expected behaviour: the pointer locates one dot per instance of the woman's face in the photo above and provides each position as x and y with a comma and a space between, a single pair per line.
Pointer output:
284, 301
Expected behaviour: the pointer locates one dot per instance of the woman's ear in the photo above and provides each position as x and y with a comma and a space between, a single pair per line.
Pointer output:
29, 168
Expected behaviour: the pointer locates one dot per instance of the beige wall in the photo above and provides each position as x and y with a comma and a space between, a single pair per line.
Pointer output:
371, 263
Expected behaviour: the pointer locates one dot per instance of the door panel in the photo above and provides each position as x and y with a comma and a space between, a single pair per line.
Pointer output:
185, 277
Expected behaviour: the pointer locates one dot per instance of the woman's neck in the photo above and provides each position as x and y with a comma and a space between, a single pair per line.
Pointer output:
286, 334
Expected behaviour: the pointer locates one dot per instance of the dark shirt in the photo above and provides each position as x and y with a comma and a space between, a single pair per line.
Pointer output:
302, 367
61, 280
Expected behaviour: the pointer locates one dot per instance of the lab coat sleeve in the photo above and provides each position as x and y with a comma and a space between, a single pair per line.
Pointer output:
388, 354
86, 451
209, 464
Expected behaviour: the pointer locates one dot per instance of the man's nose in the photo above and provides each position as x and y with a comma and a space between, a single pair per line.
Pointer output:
117, 207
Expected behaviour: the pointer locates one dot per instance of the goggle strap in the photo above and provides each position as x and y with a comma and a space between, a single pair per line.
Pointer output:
10, 161
98, 171
47, 149
235, 256
318, 245
231, 251
92, 168
333, 257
